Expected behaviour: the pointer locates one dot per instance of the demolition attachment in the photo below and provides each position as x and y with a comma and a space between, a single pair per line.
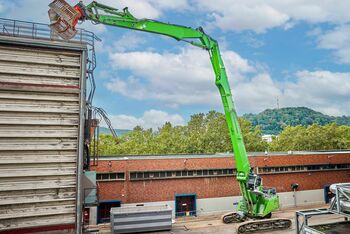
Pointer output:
63, 18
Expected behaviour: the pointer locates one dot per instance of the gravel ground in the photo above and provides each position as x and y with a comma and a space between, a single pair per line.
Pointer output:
213, 224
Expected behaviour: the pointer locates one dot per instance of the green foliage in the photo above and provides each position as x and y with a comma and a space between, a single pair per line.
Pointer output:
252, 136
208, 133
313, 137
204, 133
273, 121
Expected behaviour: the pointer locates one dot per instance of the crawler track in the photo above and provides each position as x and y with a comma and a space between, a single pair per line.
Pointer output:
264, 225
233, 217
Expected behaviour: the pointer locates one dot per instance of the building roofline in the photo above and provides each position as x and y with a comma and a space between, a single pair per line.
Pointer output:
217, 155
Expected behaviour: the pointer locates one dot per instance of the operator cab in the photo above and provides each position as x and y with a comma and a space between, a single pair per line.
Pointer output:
254, 181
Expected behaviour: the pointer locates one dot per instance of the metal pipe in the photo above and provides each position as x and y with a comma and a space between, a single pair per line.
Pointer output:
80, 162
337, 198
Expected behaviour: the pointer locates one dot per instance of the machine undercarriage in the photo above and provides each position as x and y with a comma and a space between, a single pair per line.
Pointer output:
251, 225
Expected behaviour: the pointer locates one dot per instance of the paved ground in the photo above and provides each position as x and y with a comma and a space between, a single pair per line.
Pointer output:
213, 224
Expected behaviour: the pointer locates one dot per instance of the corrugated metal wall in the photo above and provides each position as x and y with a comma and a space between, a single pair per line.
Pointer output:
39, 131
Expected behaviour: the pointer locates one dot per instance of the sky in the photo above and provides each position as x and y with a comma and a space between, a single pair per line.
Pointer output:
291, 52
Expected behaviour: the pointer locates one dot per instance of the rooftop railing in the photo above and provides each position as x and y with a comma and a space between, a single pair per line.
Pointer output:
19, 28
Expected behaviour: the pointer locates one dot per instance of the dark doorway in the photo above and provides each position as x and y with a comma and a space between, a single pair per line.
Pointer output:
86, 216
104, 209
185, 205
328, 195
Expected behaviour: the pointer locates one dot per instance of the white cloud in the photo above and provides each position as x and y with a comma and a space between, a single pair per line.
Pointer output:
256, 94
259, 16
338, 40
129, 41
324, 91
36, 10
142, 9
151, 9
174, 78
95, 28
186, 78
150, 119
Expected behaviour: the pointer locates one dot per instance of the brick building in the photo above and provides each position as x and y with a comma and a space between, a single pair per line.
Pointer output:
194, 184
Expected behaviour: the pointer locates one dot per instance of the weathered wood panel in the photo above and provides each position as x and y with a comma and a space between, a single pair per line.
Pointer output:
36, 80
38, 96
39, 131
39, 57
9, 118
8, 67
38, 106
13, 157
43, 196
36, 221
39, 210
18, 184
26, 170
26, 131
38, 144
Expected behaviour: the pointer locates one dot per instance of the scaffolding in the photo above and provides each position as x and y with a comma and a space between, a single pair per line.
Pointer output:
339, 206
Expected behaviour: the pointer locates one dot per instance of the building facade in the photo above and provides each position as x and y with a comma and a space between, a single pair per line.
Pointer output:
197, 184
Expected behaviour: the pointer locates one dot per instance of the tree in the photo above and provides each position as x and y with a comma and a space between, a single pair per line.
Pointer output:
170, 140
252, 136
314, 137
204, 133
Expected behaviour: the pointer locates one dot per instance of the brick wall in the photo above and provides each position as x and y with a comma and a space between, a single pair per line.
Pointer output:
164, 190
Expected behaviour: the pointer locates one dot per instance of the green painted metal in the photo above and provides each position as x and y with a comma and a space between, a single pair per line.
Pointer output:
253, 204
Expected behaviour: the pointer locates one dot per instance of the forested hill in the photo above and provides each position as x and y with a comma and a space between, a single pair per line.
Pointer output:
120, 132
272, 121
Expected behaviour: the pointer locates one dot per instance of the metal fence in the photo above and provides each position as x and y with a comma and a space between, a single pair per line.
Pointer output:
19, 28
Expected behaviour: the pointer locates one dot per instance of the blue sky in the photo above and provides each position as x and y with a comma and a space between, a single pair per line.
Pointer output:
296, 51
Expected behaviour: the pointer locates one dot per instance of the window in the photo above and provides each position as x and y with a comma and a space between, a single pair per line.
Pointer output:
110, 176
153, 175
146, 175
302, 168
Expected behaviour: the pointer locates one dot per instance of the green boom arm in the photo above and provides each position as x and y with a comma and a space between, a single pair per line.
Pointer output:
114, 17
125, 20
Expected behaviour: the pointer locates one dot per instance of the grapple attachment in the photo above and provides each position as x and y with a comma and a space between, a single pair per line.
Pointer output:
63, 18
